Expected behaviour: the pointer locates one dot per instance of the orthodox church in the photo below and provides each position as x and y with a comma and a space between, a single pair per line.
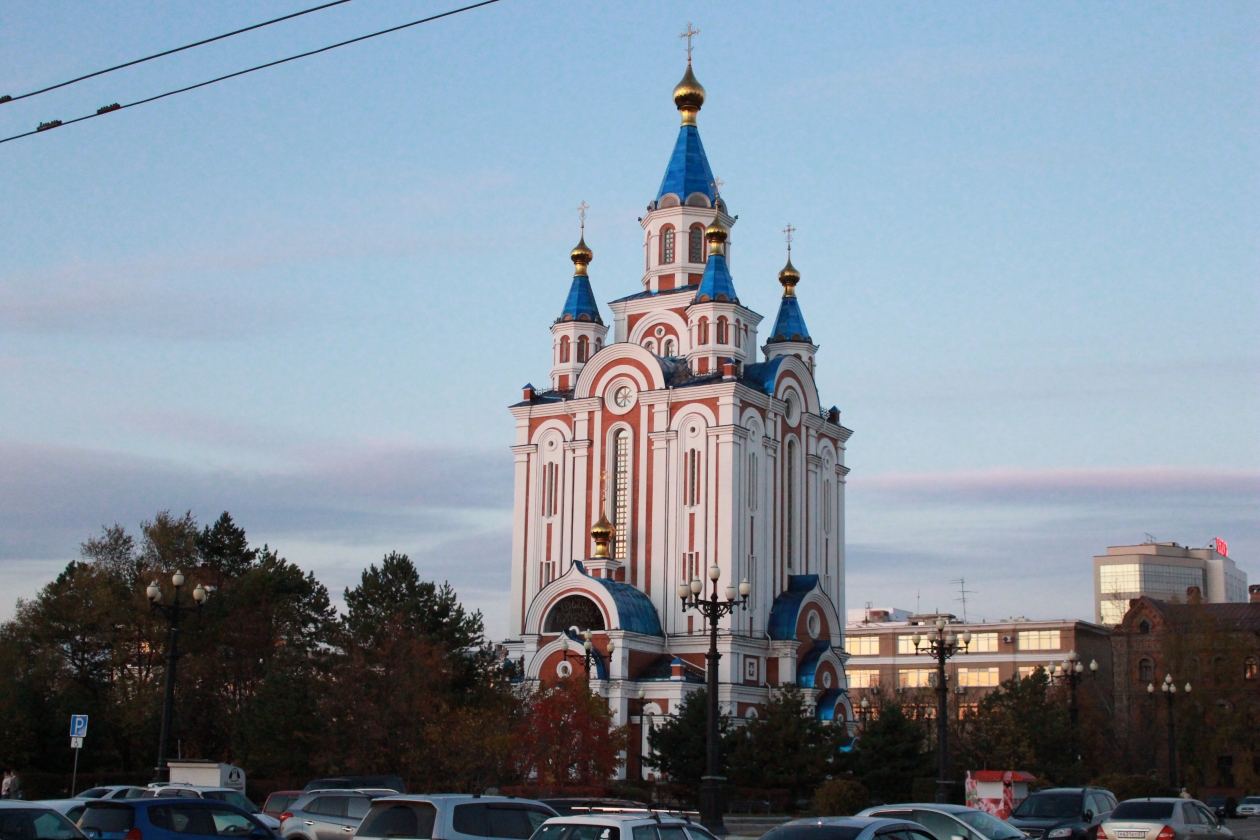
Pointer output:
667, 453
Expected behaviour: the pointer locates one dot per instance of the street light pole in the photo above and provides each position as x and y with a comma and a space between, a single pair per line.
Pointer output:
1072, 671
173, 614
713, 610
643, 734
591, 655
1170, 694
941, 644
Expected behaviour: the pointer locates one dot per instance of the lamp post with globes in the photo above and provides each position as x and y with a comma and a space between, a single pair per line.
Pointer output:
713, 610
1170, 694
590, 655
1070, 672
864, 712
172, 612
941, 644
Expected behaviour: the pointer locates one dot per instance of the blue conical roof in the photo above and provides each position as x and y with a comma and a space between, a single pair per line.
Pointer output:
716, 283
688, 171
790, 323
580, 305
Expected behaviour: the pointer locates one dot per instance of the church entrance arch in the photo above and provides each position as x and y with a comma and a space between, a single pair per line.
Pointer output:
574, 611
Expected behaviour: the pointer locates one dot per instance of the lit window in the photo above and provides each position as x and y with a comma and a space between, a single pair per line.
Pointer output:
916, 677
905, 644
1039, 640
978, 677
1026, 671
862, 678
861, 645
983, 643
1251, 667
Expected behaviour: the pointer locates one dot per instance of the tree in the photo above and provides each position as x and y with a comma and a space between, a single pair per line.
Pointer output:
785, 748
678, 747
889, 754
1023, 725
566, 736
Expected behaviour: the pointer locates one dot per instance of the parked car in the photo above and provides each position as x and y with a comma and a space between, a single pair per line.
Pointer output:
452, 817
279, 801
169, 818
229, 795
327, 814
621, 825
1063, 813
1225, 807
34, 821
1162, 819
569, 807
949, 821
71, 809
394, 783
845, 828
111, 792
1249, 807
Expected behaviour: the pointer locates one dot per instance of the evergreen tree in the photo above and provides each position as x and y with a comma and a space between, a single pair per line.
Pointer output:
889, 754
678, 746
785, 748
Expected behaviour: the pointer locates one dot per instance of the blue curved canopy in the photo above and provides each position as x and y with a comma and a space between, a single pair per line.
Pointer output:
580, 302
635, 612
789, 325
688, 170
825, 706
764, 374
808, 668
788, 605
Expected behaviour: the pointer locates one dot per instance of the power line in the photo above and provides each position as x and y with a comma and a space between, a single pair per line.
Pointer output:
4, 99
109, 109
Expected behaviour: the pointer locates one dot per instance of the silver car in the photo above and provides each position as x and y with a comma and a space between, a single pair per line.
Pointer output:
1162, 819
326, 814
453, 816
949, 822
849, 828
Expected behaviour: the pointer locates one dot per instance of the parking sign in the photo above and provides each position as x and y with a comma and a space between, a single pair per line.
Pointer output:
78, 726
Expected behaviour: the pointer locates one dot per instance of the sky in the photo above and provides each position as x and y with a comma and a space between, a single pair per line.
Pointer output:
1027, 236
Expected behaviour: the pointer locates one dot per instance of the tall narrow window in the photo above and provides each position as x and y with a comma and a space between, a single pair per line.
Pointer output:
826, 507
695, 247
583, 345
667, 245
621, 493
752, 480
789, 507
702, 328
564, 349
691, 492
735, 340
669, 347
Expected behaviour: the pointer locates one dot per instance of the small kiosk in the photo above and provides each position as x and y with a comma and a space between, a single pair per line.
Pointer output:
997, 792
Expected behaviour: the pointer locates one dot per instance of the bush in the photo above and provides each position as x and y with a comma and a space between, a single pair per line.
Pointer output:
840, 798
1133, 787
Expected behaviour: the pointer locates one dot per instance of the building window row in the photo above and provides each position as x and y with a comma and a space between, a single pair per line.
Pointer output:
1039, 640
861, 645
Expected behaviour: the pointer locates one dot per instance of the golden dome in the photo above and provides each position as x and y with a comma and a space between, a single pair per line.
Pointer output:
716, 234
602, 533
689, 96
789, 277
581, 256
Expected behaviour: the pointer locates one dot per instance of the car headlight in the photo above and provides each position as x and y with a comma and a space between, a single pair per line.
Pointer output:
1061, 832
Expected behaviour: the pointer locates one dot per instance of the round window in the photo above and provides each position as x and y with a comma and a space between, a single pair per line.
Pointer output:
660, 332
563, 669
813, 624
826, 679
793, 412
623, 396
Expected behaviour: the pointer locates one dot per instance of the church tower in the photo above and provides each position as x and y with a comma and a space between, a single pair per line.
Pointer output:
671, 450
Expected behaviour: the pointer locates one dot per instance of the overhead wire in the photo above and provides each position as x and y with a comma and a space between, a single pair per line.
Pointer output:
109, 109
4, 99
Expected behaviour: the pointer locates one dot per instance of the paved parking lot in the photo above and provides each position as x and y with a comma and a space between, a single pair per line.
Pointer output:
751, 828
1248, 829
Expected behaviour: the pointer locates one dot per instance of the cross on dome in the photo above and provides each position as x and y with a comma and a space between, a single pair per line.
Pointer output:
582, 208
689, 34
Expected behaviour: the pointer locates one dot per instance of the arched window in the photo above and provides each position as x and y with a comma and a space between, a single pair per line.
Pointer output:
1251, 668
667, 245
1146, 671
583, 345
650, 346
702, 331
691, 492
669, 347
620, 492
722, 337
695, 247
564, 349
738, 327
598, 345
1144, 626
789, 522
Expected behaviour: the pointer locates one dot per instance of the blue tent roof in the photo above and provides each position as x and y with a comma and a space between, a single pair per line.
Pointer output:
764, 374
688, 171
809, 665
580, 305
825, 706
790, 324
716, 283
787, 605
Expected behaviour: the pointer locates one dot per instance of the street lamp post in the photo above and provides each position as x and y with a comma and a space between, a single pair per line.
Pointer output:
172, 612
590, 655
643, 734
941, 644
1071, 671
1170, 694
712, 609
864, 712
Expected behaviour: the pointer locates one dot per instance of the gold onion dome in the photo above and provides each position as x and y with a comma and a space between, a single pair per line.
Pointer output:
789, 277
716, 233
581, 256
602, 533
689, 96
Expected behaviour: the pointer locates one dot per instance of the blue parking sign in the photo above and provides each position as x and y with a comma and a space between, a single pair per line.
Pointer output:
78, 726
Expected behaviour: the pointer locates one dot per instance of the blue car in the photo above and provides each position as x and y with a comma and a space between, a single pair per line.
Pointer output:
169, 818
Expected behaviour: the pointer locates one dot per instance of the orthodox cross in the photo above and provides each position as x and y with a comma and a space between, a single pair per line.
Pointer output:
787, 233
717, 185
582, 208
603, 489
689, 34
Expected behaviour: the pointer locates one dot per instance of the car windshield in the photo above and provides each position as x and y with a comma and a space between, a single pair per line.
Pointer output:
1251, 800
231, 797
813, 832
108, 819
990, 827
1143, 811
36, 824
1057, 806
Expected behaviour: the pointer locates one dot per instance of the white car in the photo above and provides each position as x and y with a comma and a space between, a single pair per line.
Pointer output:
451, 816
623, 825
228, 795
71, 809
111, 792
1249, 807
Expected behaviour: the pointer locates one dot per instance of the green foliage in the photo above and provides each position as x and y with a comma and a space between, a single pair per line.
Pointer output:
784, 748
840, 798
890, 752
1023, 725
678, 745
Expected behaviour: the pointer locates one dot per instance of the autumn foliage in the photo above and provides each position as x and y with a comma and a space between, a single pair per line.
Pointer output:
566, 736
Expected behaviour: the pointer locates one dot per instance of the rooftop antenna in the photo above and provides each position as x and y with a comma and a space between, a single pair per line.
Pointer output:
963, 592
868, 612
1150, 539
